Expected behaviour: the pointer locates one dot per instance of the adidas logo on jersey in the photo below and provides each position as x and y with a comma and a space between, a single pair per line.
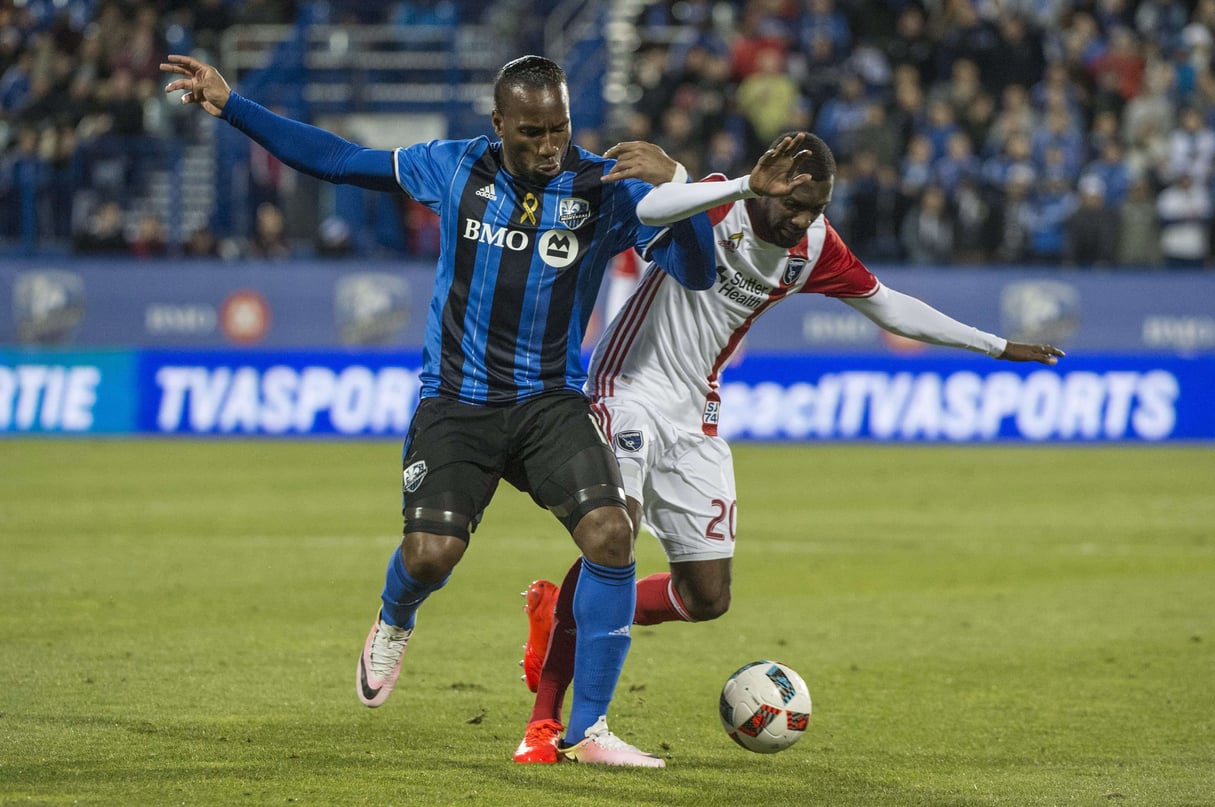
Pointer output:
488, 193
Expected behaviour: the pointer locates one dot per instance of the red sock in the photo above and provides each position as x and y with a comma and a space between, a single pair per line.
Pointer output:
558, 670
657, 601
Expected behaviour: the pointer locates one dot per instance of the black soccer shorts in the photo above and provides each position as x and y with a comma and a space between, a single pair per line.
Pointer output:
548, 447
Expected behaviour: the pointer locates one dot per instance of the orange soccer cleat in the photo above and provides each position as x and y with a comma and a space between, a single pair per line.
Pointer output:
539, 746
541, 600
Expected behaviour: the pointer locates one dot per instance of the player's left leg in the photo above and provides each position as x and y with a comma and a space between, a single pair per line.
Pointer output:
692, 591
690, 507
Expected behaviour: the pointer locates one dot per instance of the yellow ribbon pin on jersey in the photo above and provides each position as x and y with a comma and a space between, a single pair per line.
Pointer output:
530, 205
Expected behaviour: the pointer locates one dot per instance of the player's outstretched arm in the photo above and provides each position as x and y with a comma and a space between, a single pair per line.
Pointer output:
911, 317
202, 83
1043, 354
305, 148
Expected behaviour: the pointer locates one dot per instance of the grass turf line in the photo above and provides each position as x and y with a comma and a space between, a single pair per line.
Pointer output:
179, 622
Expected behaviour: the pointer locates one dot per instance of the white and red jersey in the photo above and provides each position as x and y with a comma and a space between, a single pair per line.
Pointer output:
669, 344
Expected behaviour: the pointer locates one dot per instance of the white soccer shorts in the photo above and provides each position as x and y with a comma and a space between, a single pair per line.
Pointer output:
683, 479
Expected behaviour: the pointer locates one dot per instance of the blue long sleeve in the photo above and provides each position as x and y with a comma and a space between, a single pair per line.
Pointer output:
310, 149
685, 250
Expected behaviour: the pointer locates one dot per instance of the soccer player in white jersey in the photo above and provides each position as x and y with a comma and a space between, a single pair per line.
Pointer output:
654, 380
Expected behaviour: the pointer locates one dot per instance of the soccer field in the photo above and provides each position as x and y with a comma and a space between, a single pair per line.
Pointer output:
179, 624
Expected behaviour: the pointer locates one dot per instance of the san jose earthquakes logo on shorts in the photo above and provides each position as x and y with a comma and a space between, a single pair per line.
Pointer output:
573, 212
792, 269
629, 441
412, 476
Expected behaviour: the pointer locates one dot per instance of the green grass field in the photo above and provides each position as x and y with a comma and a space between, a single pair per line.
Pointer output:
179, 623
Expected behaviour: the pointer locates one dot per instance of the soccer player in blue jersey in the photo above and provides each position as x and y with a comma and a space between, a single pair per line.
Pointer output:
528, 228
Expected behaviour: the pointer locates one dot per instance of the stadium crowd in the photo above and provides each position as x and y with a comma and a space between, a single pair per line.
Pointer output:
967, 131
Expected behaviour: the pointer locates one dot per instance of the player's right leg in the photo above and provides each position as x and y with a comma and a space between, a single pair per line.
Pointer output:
577, 478
447, 479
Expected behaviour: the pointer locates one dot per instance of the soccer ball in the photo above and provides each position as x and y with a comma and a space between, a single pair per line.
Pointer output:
765, 707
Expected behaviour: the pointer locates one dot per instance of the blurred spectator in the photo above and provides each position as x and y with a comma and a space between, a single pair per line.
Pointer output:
1104, 129
1148, 149
1112, 170
1191, 148
1059, 134
915, 171
821, 20
210, 19
1092, 230
726, 154
1018, 56
957, 165
120, 105
1123, 61
333, 238
139, 52
1016, 116
64, 172
1011, 216
1138, 227
201, 243
927, 231
972, 223
679, 137
964, 35
1185, 214
961, 90
1161, 20
977, 121
758, 31
23, 172
840, 117
769, 99
1016, 155
1049, 211
105, 232
876, 137
1057, 84
912, 44
940, 126
269, 239
150, 240
269, 179
1153, 105
906, 113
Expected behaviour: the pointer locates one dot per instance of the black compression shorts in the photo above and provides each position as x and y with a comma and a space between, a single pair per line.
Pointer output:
549, 447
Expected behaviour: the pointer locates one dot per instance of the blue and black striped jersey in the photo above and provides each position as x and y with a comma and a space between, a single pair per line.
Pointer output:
519, 267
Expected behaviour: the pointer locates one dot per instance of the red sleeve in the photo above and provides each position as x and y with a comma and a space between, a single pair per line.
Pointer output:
839, 273
716, 214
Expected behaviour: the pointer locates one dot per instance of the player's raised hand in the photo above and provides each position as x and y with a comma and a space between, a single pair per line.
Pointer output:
774, 174
1043, 354
637, 159
203, 84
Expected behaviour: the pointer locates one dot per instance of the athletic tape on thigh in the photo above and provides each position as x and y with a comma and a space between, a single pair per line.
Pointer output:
442, 518
593, 493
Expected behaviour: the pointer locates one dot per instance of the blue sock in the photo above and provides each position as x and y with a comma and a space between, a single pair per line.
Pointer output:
402, 594
603, 610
